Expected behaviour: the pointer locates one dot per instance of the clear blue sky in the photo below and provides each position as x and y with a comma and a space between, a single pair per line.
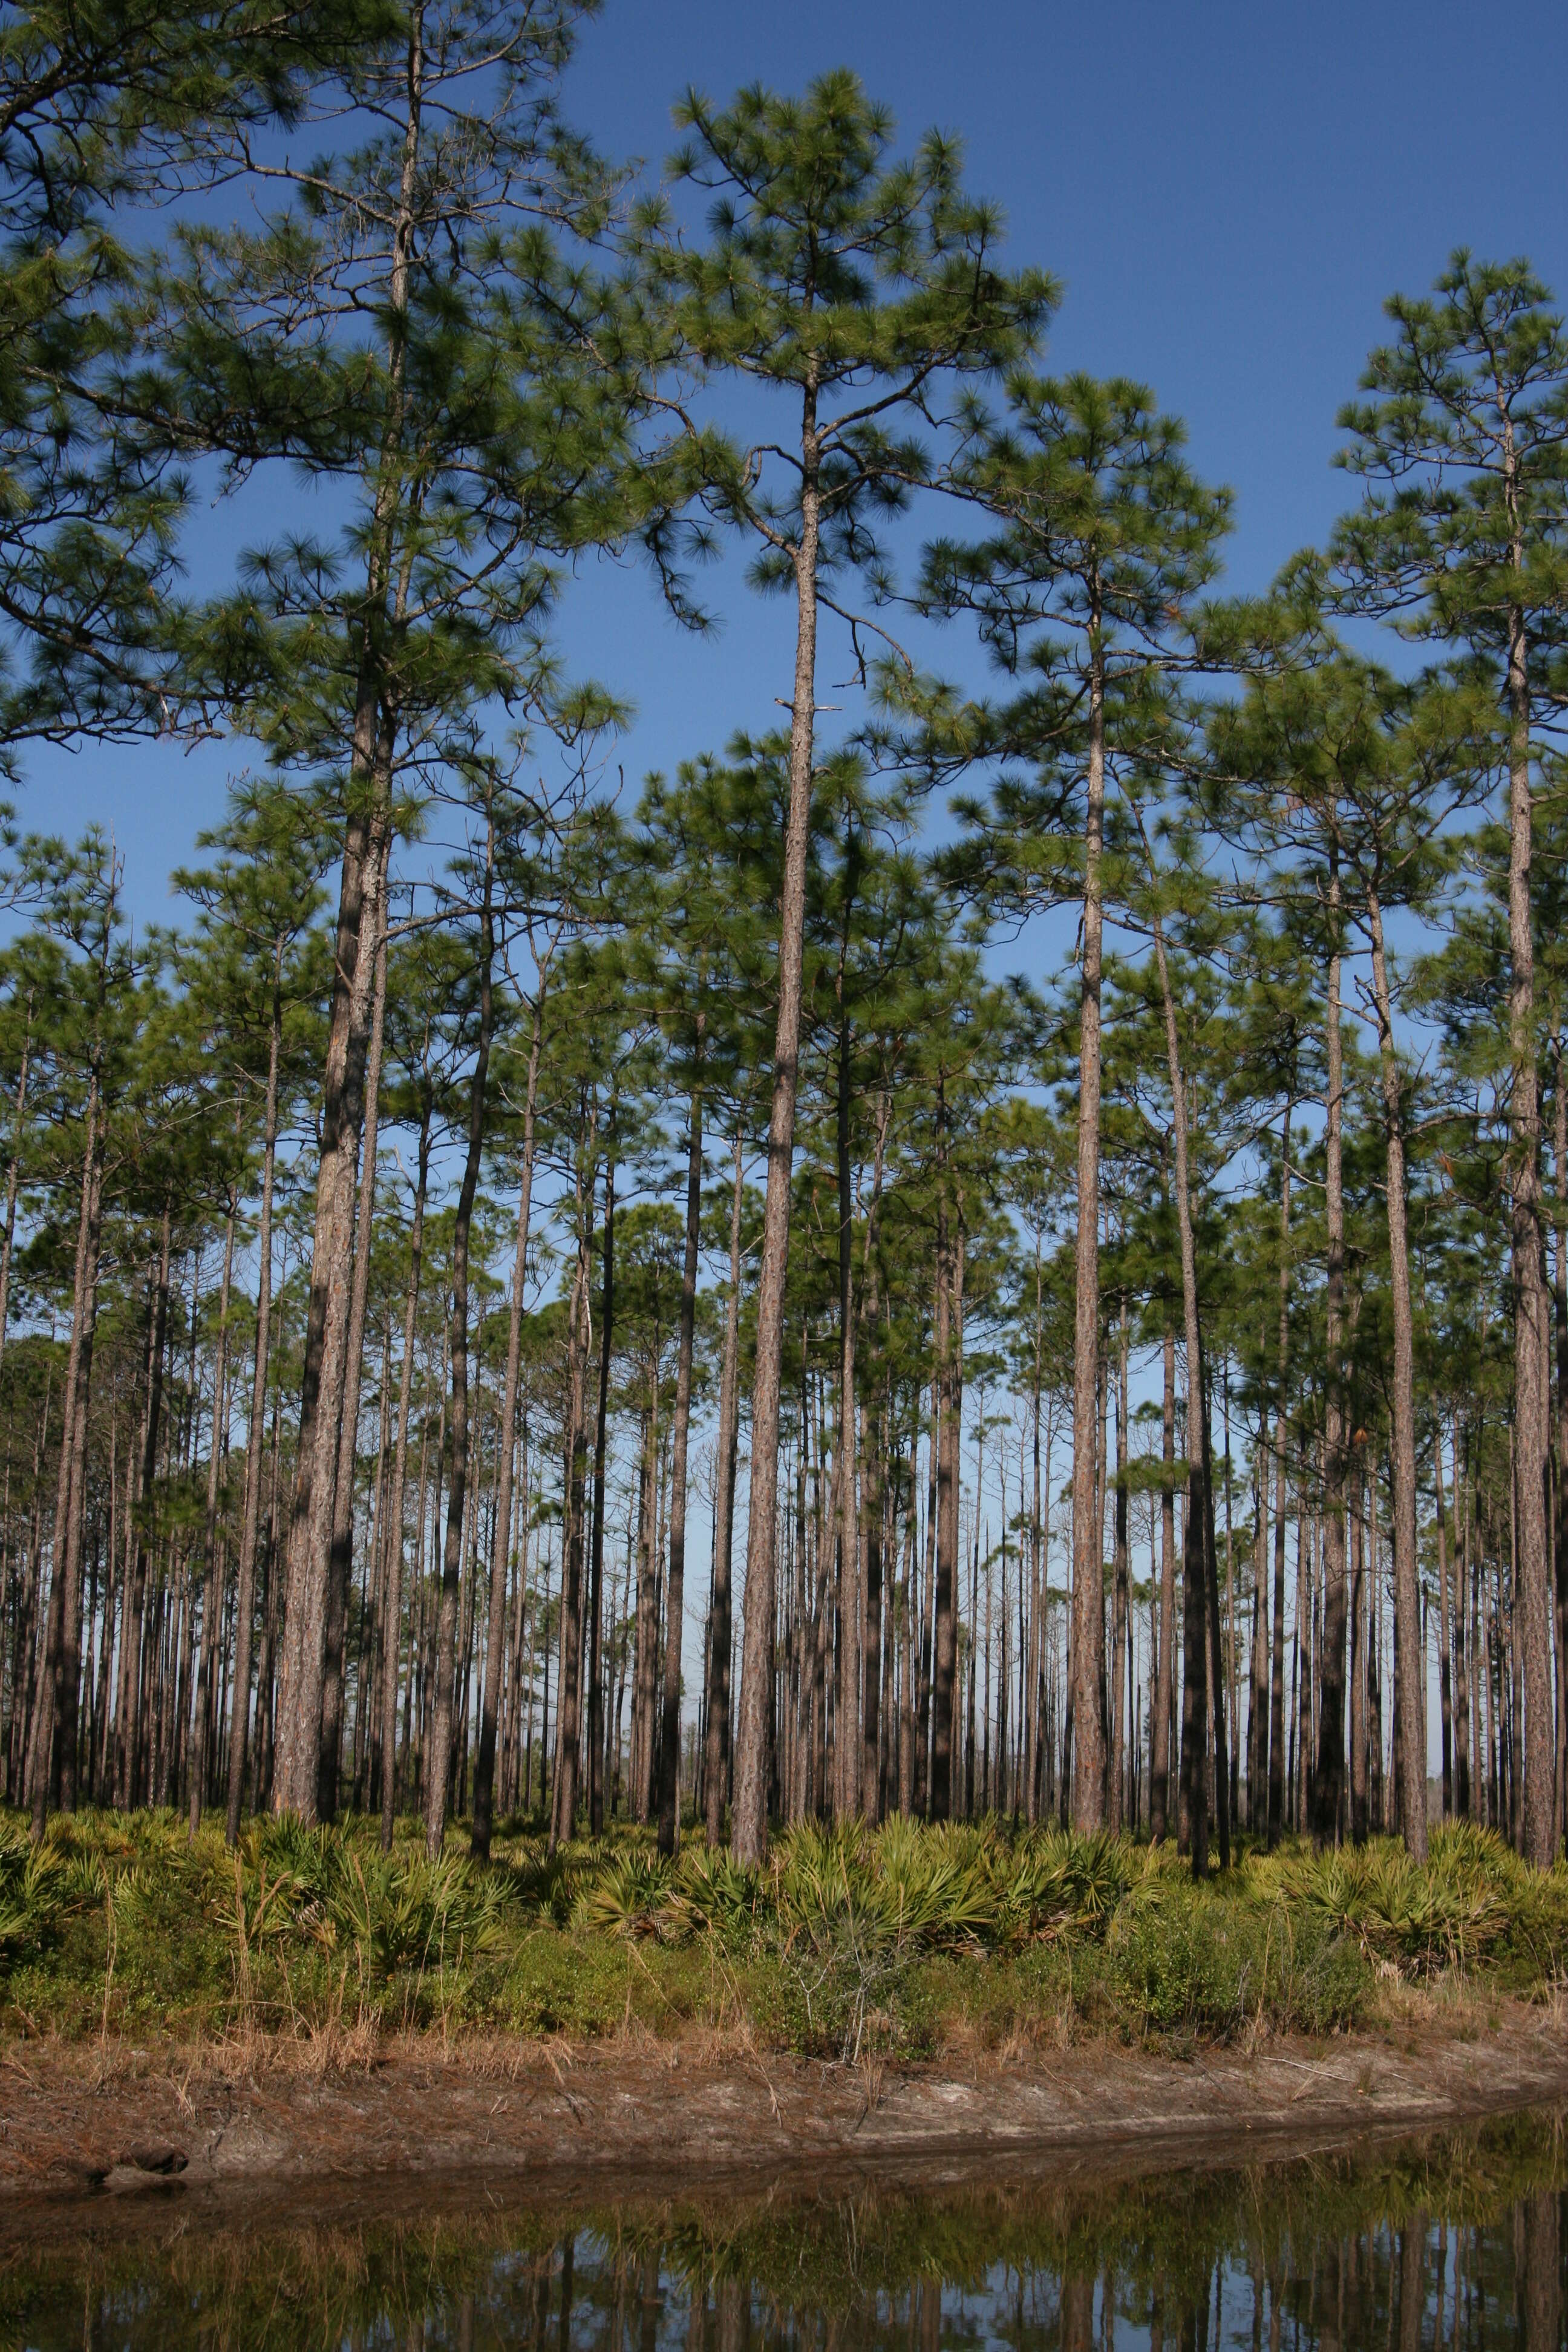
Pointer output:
1228, 192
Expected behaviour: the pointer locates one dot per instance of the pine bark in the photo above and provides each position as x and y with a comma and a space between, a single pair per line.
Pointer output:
1195, 1567
211, 1580
675, 1606
51, 1770
256, 1433
753, 1752
595, 1710
296, 1771
13, 1172
1088, 1694
1531, 1345
1329, 1783
440, 1762
1410, 1710
568, 1720
484, 1769
340, 1575
716, 1761
950, 1416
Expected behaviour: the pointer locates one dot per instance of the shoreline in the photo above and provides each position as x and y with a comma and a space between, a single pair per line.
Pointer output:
244, 2129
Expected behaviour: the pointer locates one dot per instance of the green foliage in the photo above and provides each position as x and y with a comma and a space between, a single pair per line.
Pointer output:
1194, 1960
40, 1886
850, 1941
1473, 1902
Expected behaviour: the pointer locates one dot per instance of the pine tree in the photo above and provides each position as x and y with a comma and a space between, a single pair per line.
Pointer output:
1105, 536
1463, 540
479, 437
855, 286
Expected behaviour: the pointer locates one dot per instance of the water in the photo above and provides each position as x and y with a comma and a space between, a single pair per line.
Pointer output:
1458, 2244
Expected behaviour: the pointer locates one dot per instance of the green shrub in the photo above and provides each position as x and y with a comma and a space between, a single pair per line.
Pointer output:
847, 1940
1187, 1960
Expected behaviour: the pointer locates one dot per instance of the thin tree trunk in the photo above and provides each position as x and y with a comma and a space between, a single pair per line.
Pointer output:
131, 1615
847, 1751
596, 1558
484, 1769
1120, 1628
256, 1433
11, 1179
340, 1564
950, 1375
754, 1758
1165, 1678
718, 1611
568, 1694
1330, 1780
51, 1769
675, 1613
1195, 1706
1087, 1533
1463, 1653
1276, 1664
872, 1713
438, 1766
1411, 1762
391, 1628
211, 1582
1445, 1621
1531, 1346
1560, 1528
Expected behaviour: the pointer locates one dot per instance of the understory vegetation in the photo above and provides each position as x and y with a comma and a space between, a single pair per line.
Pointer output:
849, 1943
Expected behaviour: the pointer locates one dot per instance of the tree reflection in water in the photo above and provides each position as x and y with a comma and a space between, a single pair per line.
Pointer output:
1457, 2244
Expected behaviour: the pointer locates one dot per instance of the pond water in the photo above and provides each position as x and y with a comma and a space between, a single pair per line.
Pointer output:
1453, 2244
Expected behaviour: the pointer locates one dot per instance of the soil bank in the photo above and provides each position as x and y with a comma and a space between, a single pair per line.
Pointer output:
243, 2126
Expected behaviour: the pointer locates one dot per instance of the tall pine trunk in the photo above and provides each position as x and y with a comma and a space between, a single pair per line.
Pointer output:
675, 1606
11, 1174
1531, 1347
439, 1762
340, 1564
717, 1759
1196, 1566
1329, 1783
1166, 1675
950, 1415
595, 1710
211, 1582
484, 1768
296, 1773
568, 1719
51, 1769
392, 1627
1410, 1764
256, 1432
1560, 1522
1088, 1692
753, 1752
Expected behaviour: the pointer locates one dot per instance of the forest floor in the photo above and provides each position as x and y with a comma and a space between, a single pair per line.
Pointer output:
285, 2119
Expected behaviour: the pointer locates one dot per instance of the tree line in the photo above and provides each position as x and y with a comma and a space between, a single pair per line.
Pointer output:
1105, 1246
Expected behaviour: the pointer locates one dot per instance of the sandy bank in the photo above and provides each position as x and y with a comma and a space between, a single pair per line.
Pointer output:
240, 2126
